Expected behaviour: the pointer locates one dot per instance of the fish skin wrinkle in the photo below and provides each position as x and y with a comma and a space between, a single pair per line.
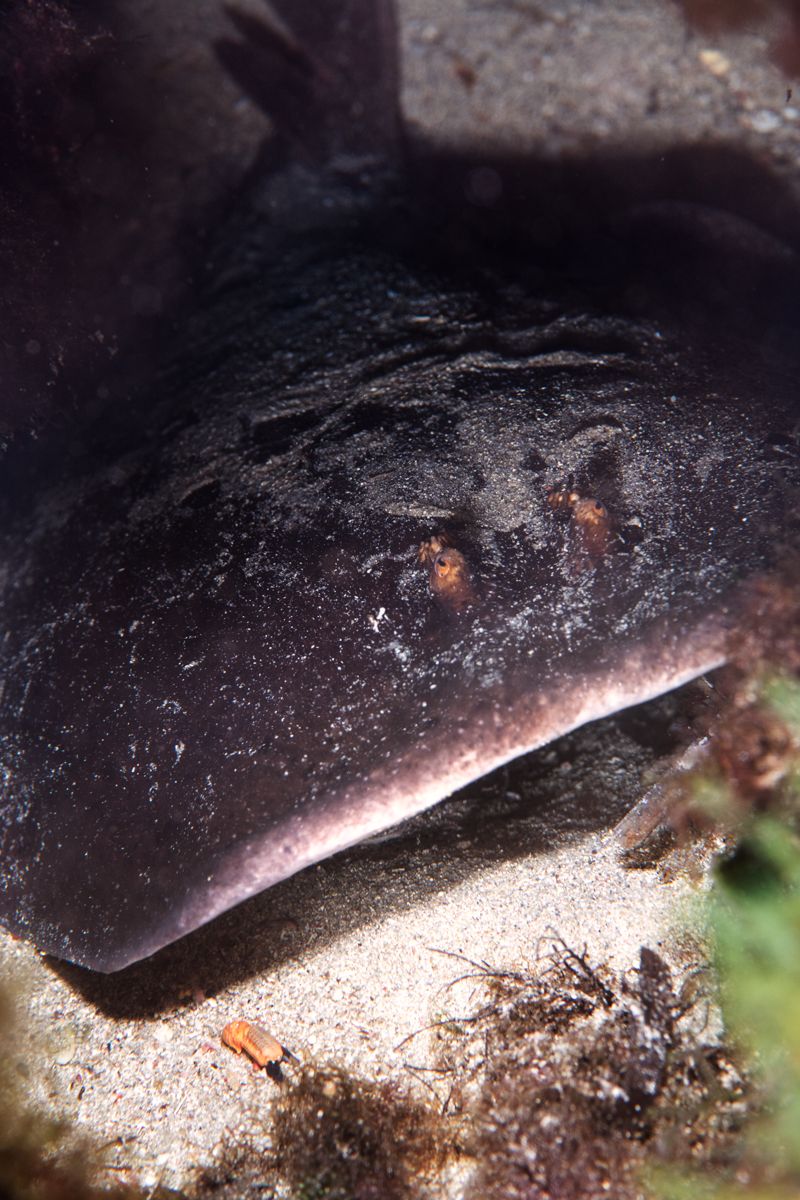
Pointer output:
198, 700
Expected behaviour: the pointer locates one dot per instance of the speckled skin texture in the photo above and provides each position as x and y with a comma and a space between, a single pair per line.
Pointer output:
222, 660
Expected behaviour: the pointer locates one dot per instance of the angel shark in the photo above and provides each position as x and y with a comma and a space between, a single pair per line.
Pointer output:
398, 504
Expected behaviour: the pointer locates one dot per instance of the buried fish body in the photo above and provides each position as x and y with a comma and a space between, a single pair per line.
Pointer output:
221, 657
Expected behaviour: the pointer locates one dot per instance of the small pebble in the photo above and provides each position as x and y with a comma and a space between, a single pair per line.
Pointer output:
65, 1043
163, 1034
715, 62
762, 121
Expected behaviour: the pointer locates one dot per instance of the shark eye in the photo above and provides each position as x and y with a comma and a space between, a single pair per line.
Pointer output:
441, 565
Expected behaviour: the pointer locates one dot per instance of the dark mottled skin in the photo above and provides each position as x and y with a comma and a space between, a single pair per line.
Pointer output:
221, 659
